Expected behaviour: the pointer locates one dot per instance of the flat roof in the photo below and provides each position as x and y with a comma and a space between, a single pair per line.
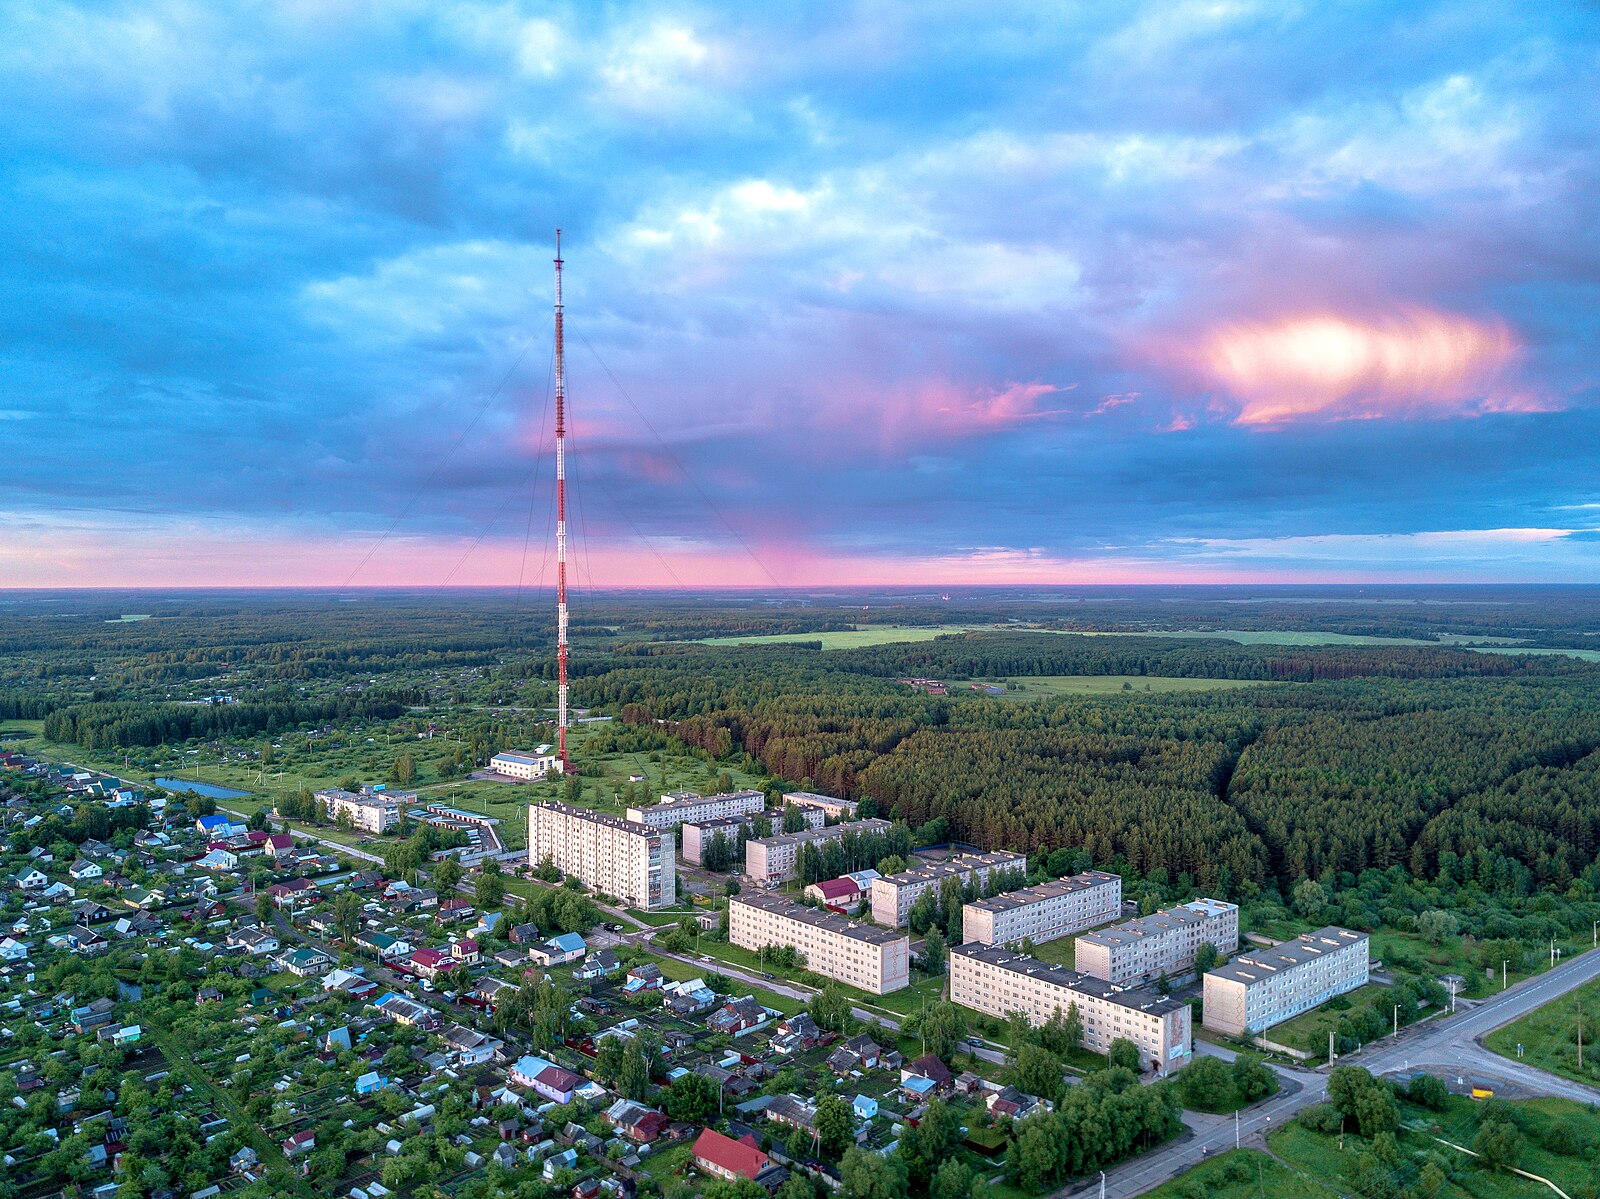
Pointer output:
518, 755
1040, 892
963, 864
1264, 963
872, 934
690, 798
825, 833
1138, 998
819, 800
1156, 923
616, 822
716, 822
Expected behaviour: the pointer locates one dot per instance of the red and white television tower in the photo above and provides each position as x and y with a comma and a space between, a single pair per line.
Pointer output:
561, 524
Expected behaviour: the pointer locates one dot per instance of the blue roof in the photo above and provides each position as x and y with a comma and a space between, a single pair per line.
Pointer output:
919, 1084
213, 821
569, 942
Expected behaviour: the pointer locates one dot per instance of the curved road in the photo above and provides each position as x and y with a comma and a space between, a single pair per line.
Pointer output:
1448, 1046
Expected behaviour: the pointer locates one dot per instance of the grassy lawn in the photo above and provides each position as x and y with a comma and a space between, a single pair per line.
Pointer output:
1033, 687
679, 971
1411, 954
1548, 1035
1241, 1174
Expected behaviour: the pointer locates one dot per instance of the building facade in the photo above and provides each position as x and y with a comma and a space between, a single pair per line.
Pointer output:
1140, 951
695, 836
371, 810
516, 764
619, 857
862, 955
1050, 910
679, 806
996, 981
831, 808
893, 894
774, 859
1267, 986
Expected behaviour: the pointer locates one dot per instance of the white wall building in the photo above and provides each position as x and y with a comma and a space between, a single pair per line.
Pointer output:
1267, 986
514, 763
1045, 912
679, 806
893, 894
833, 809
860, 954
1140, 951
618, 857
372, 810
994, 980
774, 859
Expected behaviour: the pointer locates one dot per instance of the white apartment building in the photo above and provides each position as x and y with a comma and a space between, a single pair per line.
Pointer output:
833, 809
1045, 912
514, 763
774, 859
893, 895
372, 810
996, 981
619, 857
679, 806
862, 955
695, 836
1267, 986
1140, 951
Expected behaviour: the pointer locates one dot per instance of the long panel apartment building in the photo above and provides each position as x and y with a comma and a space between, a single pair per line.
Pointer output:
893, 895
1267, 986
1045, 912
831, 808
1141, 951
618, 857
862, 955
678, 806
371, 809
776, 859
994, 980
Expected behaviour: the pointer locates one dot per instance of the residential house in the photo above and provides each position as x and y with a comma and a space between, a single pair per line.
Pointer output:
85, 871
428, 963
254, 941
737, 1016
723, 1157
402, 1009
469, 1047
294, 892
688, 998
865, 1107
13, 950
636, 1121
598, 964
301, 1142
930, 1067
558, 951
465, 952
305, 961
546, 1078
644, 977
30, 878
385, 946
796, 1034
792, 1111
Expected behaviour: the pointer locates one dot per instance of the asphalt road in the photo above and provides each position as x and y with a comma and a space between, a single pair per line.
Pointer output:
1448, 1046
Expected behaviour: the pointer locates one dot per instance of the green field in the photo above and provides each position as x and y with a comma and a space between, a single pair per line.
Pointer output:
1310, 1029
1241, 1174
1032, 687
1549, 1035
854, 638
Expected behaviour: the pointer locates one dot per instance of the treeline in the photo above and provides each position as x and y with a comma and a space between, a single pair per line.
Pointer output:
99, 726
1228, 786
21, 706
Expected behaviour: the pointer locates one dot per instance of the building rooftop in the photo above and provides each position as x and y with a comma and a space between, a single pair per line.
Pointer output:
1156, 923
1053, 889
519, 755
689, 798
1263, 963
616, 822
813, 798
1137, 998
827, 832
872, 934
961, 864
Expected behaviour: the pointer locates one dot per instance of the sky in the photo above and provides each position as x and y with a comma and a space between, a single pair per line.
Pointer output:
863, 293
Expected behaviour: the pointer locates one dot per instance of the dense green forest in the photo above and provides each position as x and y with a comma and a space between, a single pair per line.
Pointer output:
1454, 764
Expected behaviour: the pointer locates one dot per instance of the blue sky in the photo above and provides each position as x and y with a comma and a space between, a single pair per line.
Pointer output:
873, 293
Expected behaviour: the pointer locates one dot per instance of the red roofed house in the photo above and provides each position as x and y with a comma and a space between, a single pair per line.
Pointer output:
295, 891
465, 952
280, 844
727, 1158
429, 963
836, 893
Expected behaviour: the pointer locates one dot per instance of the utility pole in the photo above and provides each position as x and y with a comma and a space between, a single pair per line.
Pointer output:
1452, 997
1236, 1128
1396, 1020
1503, 964
561, 521
1330, 1047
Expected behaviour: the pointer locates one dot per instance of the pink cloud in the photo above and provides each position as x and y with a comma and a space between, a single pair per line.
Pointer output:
1415, 362
937, 409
